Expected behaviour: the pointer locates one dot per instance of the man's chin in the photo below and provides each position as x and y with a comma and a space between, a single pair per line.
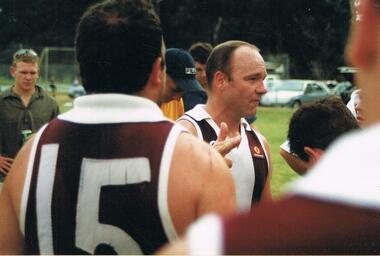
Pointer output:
28, 87
252, 112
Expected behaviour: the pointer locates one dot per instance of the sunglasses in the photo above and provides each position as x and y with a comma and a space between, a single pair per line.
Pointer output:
25, 53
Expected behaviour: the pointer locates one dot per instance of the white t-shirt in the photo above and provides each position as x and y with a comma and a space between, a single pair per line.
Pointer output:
354, 100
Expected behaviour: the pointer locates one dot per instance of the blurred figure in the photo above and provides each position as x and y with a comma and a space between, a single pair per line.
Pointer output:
335, 209
312, 128
76, 89
24, 107
355, 106
200, 52
181, 76
112, 175
52, 86
235, 74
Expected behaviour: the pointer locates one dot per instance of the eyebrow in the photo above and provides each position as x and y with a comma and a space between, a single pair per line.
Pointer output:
255, 75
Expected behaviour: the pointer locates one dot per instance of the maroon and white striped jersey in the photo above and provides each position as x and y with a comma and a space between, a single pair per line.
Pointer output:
97, 179
250, 161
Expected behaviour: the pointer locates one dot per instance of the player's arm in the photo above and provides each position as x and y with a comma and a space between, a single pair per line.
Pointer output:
218, 190
179, 247
11, 238
199, 182
296, 163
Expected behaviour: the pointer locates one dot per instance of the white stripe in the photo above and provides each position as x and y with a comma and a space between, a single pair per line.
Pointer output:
163, 182
28, 176
45, 182
214, 125
205, 236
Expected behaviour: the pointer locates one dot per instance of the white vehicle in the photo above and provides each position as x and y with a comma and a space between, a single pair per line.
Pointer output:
294, 93
271, 81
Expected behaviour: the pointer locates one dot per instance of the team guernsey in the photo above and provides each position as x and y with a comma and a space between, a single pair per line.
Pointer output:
97, 180
250, 162
335, 209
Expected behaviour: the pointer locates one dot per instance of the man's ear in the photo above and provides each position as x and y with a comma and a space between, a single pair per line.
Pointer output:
220, 80
157, 76
314, 154
362, 49
12, 70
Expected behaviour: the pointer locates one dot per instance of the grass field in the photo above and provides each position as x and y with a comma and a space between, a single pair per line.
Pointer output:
272, 123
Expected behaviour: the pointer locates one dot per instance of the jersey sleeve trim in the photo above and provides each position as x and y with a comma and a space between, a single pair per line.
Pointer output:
163, 182
28, 177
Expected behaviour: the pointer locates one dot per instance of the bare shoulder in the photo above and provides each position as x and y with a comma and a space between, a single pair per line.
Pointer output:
199, 153
188, 125
14, 183
211, 179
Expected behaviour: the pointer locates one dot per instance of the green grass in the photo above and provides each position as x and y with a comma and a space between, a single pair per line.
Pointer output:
272, 123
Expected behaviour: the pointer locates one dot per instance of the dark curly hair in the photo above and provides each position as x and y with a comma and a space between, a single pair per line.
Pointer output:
117, 42
318, 124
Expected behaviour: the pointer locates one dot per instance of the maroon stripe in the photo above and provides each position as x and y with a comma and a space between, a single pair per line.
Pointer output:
298, 225
260, 163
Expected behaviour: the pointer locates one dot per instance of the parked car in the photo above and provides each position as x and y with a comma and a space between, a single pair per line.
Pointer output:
271, 80
294, 93
344, 90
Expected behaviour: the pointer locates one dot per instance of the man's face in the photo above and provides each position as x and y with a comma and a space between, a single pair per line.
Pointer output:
171, 91
25, 75
246, 84
201, 74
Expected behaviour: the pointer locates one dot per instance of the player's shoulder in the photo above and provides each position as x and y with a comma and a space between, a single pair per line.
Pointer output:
198, 152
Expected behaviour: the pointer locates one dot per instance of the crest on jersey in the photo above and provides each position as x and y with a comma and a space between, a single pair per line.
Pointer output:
257, 152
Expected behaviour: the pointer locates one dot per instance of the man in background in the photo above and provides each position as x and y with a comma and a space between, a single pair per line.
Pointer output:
200, 52
182, 74
335, 209
312, 128
112, 175
172, 105
24, 107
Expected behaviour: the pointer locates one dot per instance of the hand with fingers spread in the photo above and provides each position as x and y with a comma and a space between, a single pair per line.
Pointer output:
5, 164
224, 145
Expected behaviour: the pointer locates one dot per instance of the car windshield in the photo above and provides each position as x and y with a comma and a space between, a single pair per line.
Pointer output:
291, 86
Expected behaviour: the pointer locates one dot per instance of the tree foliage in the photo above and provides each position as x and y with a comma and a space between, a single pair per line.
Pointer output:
311, 32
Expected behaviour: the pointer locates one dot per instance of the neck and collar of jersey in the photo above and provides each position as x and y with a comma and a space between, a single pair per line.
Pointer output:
113, 108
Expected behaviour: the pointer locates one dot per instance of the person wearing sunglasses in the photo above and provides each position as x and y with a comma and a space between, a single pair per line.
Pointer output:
24, 107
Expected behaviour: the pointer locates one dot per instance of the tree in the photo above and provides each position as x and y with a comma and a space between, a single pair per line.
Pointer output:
311, 32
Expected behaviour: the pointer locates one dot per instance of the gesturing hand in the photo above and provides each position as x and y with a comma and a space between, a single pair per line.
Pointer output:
224, 145
5, 164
